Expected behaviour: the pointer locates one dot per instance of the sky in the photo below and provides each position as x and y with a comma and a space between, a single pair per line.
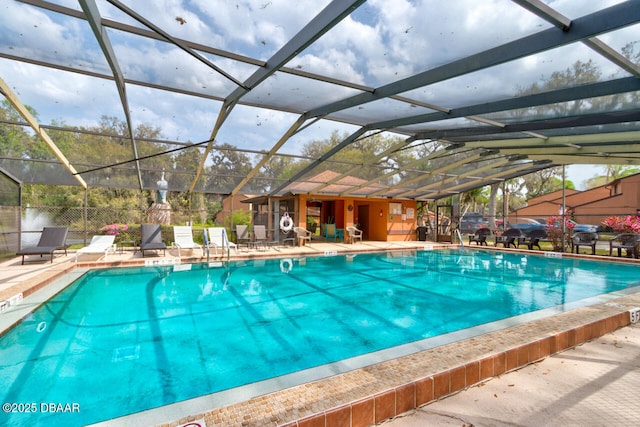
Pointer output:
579, 174
374, 46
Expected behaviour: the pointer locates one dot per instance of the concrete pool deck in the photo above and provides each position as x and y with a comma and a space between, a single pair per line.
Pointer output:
594, 384
381, 391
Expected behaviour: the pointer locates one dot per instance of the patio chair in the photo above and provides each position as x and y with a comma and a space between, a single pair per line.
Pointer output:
183, 238
480, 236
99, 244
260, 235
533, 239
51, 240
288, 236
354, 234
330, 232
584, 239
218, 239
627, 241
509, 237
242, 234
302, 235
151, 238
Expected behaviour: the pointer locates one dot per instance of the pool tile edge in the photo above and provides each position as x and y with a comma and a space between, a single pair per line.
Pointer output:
317, 408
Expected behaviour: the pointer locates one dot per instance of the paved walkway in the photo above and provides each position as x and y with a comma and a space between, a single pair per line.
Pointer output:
595, 384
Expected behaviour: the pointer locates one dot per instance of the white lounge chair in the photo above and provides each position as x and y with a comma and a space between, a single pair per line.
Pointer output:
183, 239
218, 239
98, 245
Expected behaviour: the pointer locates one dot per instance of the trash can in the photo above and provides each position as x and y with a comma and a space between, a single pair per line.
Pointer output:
422, 233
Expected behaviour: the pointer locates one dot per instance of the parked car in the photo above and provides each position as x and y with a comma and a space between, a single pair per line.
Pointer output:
578, 228
589, 228
525, 225
471, 221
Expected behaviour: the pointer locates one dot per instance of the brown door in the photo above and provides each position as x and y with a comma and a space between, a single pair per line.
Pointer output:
362, 214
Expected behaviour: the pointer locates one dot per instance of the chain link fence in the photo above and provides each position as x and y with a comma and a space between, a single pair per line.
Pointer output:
86, 222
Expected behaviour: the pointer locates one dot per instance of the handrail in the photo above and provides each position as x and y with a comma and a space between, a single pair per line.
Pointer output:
460, 237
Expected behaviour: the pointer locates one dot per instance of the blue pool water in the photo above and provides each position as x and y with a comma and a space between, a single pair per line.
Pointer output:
120, 341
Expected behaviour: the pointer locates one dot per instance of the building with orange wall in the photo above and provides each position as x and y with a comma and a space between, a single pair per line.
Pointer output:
619, 197
380, 219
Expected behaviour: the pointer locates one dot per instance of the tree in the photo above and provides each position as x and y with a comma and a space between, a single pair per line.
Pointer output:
358, 153
611, 173
544, 182
472, 199
549, 180
493, 195
228, 167
579, 73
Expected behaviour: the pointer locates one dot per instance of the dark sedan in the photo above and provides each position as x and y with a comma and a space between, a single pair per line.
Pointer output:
525, 225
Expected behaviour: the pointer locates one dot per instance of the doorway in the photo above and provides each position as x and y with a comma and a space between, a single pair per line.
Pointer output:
361, 219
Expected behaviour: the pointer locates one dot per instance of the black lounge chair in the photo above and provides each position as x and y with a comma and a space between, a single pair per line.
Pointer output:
152, 238
51, 240
509, 237
532, 239
627, 241
480, 236
584, 239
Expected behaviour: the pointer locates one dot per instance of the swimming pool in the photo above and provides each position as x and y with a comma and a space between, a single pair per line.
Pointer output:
124, 340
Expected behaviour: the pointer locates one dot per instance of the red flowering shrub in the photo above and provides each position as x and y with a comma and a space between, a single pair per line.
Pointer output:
628, 224
118, 230
554, 232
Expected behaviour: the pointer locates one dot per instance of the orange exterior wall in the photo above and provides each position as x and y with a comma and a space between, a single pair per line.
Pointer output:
620, 197
381, 226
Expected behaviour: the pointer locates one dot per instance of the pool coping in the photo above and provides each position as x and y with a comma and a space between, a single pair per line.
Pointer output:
368, 395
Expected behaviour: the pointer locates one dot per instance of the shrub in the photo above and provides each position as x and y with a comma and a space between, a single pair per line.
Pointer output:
628, 224
554, 232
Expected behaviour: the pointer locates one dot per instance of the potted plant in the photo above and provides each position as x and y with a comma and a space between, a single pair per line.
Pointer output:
311, 225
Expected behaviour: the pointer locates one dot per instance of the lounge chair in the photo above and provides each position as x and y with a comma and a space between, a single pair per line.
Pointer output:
151, 238
480, 236
330, 232
533, 239
218, 239
627, 241
354, 234
302, 235
52, 239
183, 239
99, 244
509, 237
584, 239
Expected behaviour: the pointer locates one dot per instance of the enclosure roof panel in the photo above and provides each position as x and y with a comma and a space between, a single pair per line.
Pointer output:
415, 99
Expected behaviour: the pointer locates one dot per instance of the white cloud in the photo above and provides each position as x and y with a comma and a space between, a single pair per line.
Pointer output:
382, 42
257, 28
29, 32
